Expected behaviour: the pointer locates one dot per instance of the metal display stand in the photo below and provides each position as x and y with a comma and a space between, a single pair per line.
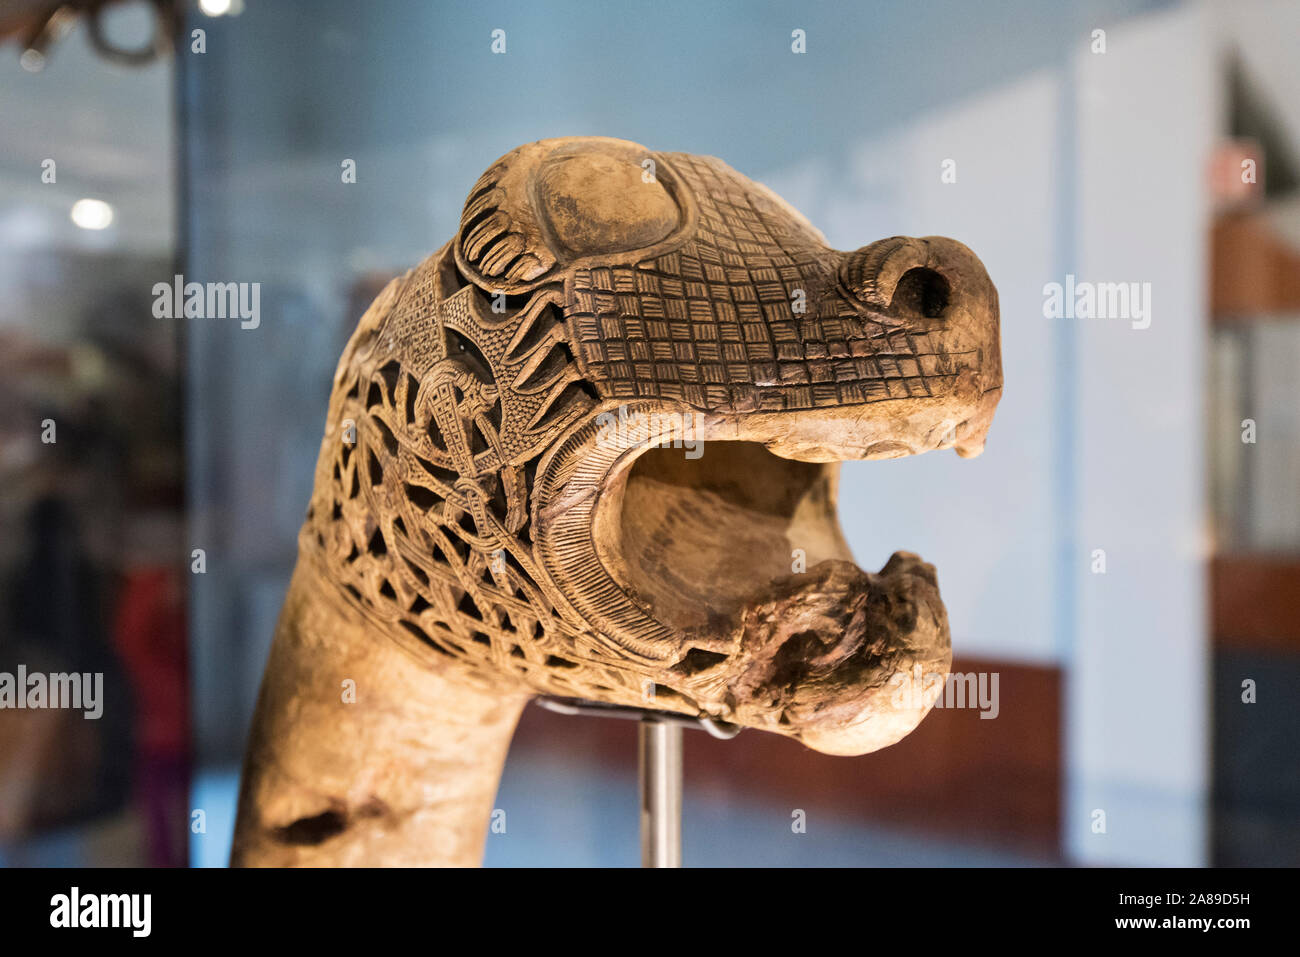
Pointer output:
659, 769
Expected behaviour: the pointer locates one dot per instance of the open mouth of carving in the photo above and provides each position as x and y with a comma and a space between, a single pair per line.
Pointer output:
701, 536
739, 551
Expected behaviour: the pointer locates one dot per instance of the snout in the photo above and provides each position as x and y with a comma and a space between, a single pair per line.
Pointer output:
934, 287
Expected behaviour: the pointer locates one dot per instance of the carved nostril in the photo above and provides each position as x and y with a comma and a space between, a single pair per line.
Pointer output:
895, 275
921, 291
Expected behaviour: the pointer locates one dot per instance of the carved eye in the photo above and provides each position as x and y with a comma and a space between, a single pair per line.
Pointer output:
602, 202
558, 200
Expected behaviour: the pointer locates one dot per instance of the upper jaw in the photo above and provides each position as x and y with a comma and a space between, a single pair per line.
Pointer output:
882, 430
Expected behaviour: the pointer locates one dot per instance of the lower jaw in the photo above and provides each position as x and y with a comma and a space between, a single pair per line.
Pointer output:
831, 657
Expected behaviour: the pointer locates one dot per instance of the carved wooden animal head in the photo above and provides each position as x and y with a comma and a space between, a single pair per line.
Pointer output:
589, 448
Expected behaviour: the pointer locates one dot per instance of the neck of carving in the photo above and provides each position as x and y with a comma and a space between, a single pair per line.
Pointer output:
361, 755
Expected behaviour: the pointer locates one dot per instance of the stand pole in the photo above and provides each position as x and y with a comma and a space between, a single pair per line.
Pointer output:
659, 762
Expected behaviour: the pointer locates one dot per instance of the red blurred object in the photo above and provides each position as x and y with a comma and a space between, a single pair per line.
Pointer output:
149, 631
1236, 173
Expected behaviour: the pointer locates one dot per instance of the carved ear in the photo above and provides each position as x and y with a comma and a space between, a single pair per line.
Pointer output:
550, 203
499, 244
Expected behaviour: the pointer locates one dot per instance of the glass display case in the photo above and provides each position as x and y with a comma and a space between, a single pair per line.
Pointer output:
1119, 567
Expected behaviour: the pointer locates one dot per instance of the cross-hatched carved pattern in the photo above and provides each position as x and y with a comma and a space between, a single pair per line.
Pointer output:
715, 323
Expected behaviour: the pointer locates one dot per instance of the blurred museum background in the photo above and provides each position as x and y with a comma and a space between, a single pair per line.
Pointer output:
1125, 555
